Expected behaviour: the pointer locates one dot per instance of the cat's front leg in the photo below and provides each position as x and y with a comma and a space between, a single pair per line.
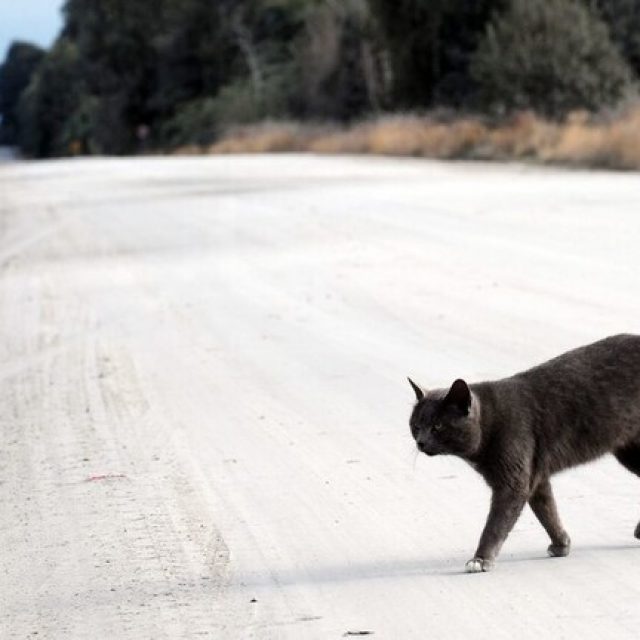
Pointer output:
506, 507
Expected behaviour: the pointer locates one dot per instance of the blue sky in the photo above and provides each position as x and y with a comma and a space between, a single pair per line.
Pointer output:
37, 21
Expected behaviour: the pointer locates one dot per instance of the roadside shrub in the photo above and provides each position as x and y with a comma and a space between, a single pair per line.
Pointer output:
552, 56
195, 122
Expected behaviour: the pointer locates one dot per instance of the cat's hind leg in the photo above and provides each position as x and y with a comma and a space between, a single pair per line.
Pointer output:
543, 504
629, 457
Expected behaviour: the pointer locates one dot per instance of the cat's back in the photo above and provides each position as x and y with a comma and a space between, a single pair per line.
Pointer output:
592, 385
617, 356
583, 403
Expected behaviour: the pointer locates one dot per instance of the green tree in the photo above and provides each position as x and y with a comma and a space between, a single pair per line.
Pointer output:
263, 33
341, 66
551, 56
431, 43
15, 74
196, 52
115, 40
224, 62
52, 97
623, 19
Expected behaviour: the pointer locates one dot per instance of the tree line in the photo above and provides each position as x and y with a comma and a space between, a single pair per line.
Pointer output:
124, 77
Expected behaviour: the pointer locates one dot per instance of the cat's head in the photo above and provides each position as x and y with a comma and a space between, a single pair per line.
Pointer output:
446, 421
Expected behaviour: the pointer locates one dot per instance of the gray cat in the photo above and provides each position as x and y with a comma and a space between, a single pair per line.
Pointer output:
517, 432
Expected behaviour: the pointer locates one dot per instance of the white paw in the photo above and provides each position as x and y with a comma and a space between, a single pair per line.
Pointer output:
478, 565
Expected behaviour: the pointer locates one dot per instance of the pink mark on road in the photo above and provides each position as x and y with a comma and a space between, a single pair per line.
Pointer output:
106, 476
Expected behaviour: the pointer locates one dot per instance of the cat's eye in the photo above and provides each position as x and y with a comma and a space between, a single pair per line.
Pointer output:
437, 426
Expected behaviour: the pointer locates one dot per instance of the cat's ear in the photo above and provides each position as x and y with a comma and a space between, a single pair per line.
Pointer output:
459, 396
417, 390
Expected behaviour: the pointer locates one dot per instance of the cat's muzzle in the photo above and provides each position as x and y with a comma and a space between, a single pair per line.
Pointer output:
429, 449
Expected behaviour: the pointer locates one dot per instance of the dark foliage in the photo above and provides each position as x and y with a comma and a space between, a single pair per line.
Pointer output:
431, 43
623, 19
549, 55
15, 74
125, 77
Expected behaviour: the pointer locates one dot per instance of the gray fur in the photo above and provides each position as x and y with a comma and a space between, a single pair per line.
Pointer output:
517, 432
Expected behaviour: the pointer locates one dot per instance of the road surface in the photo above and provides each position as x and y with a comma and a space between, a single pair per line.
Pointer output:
204, 398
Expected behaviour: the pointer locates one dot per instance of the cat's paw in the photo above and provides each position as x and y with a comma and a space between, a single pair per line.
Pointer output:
478, 565
636, 533
560, 549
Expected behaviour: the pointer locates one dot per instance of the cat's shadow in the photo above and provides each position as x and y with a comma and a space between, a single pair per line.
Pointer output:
419, 568
354, 572
576, 551
604, 547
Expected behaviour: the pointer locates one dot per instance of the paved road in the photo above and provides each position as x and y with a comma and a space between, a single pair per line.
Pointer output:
204, 406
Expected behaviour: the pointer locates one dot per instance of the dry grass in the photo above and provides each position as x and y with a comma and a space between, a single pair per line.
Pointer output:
267, 137
582, 139
614, 144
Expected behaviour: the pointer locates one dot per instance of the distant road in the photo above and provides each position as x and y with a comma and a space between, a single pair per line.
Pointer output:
204, 401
